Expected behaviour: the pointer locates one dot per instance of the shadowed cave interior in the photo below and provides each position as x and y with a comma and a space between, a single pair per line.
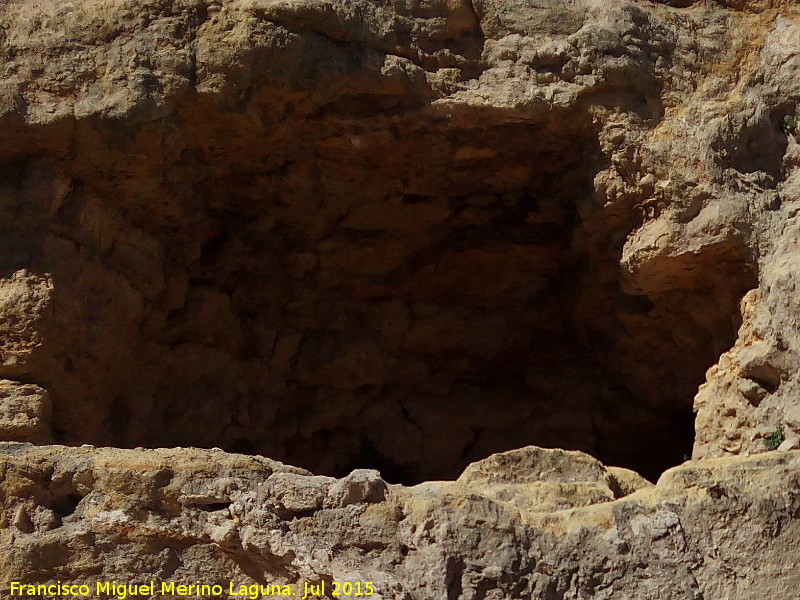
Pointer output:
337, 291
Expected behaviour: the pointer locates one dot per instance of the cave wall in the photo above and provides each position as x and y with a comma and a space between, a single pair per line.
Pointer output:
401, 236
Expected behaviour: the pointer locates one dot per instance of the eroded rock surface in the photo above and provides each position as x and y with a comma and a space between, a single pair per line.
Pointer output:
410, 234
722, 528
382, 241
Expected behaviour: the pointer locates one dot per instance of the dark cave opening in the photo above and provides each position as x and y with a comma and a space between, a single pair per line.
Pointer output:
389, 292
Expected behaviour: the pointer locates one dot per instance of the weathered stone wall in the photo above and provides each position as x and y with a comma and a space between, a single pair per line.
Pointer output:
530, 523
401, 235
395, 235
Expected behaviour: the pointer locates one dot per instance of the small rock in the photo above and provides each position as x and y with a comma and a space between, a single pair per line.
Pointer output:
626, 482
295, 494
24, 412
22, 521
362, 485
792, 418
755, 363
225, 533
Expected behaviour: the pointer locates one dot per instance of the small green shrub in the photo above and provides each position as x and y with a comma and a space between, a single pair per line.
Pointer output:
775, 439
790, 125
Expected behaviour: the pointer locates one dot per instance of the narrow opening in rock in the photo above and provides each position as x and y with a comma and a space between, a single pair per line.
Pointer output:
404, 292
67, 505
214, 506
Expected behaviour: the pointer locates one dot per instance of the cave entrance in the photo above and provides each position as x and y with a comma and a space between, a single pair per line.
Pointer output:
398, 292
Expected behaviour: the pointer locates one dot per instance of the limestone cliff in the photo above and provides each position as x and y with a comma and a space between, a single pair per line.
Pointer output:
403, 235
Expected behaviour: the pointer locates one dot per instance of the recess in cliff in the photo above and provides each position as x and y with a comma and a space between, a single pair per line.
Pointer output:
344, 238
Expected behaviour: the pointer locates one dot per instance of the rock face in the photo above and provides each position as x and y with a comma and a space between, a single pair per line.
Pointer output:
24, 412
410, 233
383, 240
530, 523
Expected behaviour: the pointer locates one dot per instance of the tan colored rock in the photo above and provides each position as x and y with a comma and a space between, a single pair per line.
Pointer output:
710, 528
404, 235
24, 297
273, 225
542, 480
294, 494
24, 412
625, 481
385, 241
362, 485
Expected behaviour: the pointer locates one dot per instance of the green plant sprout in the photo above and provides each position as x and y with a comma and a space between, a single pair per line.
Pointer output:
775, 439
790, 125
